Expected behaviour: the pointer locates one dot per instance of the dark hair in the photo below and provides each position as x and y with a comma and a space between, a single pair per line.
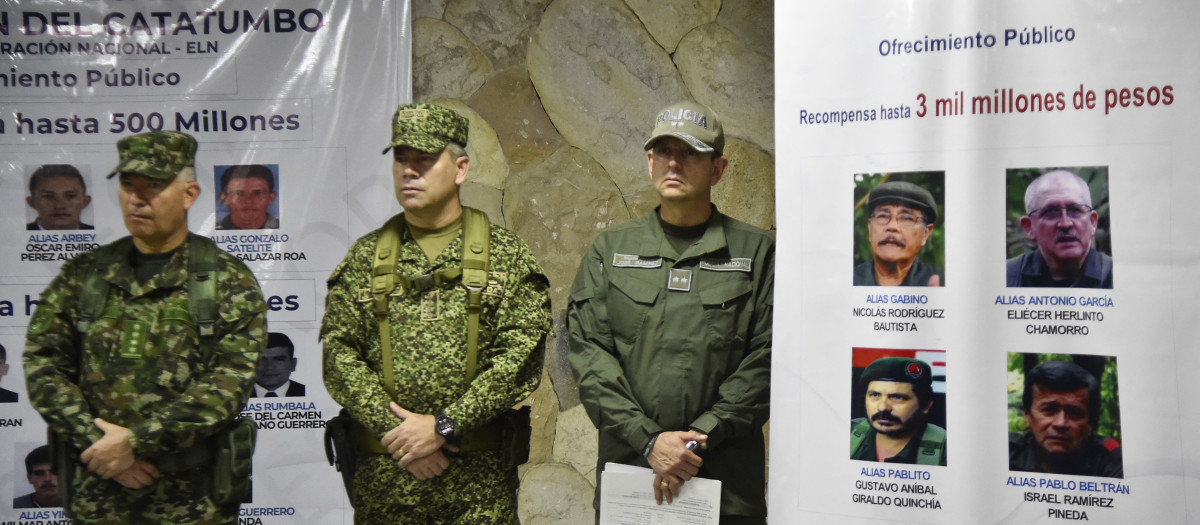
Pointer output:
277, 339
248, 171
3, 354
1063, 376
37, 456
46, 171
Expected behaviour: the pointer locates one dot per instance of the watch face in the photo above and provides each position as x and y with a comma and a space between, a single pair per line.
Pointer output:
445, 426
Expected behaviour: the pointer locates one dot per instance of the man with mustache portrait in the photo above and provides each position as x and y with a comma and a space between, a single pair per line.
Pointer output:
1060, 219
899, 395
900, 219
43, 479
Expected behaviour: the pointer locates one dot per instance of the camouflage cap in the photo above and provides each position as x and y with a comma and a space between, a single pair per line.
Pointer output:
904, 194
692, 123
427, 127
158, 154
899, 369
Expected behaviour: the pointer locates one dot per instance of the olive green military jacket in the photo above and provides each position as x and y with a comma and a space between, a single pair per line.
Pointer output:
661, 341
429, 335
140, 364
928, 447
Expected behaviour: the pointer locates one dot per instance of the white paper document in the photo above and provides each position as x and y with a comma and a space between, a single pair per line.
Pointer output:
627, 498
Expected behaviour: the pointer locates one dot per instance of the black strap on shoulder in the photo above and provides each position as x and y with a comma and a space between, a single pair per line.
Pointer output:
95, 287
202, 284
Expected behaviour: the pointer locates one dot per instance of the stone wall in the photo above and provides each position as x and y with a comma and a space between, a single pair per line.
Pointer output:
561, 95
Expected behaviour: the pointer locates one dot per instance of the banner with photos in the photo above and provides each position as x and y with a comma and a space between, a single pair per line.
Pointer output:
986, 294
290, 103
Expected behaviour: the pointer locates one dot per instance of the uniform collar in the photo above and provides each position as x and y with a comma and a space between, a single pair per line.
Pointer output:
657, 245
172, 275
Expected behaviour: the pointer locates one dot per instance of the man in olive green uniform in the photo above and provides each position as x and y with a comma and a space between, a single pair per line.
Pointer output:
409, 468
670, 326
137, 390
898, 394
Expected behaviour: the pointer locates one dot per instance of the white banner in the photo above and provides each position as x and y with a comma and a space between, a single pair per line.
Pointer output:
303, 90
972, 101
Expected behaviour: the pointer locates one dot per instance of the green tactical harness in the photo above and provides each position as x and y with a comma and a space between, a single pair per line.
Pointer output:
930, 450
229, 451
385, 282
473, 273
345, 437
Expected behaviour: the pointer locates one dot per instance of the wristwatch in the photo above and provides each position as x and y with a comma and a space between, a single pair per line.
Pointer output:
445, 426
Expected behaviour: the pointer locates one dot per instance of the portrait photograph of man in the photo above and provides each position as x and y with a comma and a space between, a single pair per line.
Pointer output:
898, 406
275, 367
43, 482
899, 238
1058, 229
58, 199
246, 199
1063, 415
6, 395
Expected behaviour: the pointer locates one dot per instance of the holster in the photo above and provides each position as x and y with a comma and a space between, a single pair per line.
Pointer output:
63, 457
515, 433
340, 448
233, 450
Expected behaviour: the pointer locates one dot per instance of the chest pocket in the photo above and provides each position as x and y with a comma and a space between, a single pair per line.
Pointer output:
726, 312
630, 300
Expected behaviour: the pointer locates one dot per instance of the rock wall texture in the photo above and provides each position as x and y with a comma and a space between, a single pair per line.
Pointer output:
561, 95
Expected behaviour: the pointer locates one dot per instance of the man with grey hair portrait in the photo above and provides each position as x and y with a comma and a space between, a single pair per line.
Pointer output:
1060, 220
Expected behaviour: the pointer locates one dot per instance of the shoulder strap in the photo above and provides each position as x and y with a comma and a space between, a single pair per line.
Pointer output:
477, 232
858, 432
95, 288
202, 284
474, 274
933, 446
383, 281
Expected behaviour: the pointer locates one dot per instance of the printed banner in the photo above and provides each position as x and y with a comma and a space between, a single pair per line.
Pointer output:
290, 103
987, 266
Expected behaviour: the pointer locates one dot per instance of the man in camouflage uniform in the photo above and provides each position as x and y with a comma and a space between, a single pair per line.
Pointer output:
670, 323
135, 390
408, 470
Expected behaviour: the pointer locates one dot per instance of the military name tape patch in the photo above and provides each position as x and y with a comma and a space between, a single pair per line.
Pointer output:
413, 114
621, 260
737, 264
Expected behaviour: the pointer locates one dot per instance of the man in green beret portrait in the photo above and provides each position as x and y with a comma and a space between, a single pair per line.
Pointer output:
898, 398
900, 219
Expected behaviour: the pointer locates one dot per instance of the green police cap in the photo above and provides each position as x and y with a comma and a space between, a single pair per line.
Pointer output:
901, 370
158, 154
427, 127
692, 123
904, 194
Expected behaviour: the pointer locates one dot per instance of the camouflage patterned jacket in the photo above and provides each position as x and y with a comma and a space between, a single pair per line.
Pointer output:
166, 392
429, 335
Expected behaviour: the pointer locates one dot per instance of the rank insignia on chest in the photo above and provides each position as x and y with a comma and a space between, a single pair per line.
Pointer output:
431, 305
679, 280
133, 338
496, 284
